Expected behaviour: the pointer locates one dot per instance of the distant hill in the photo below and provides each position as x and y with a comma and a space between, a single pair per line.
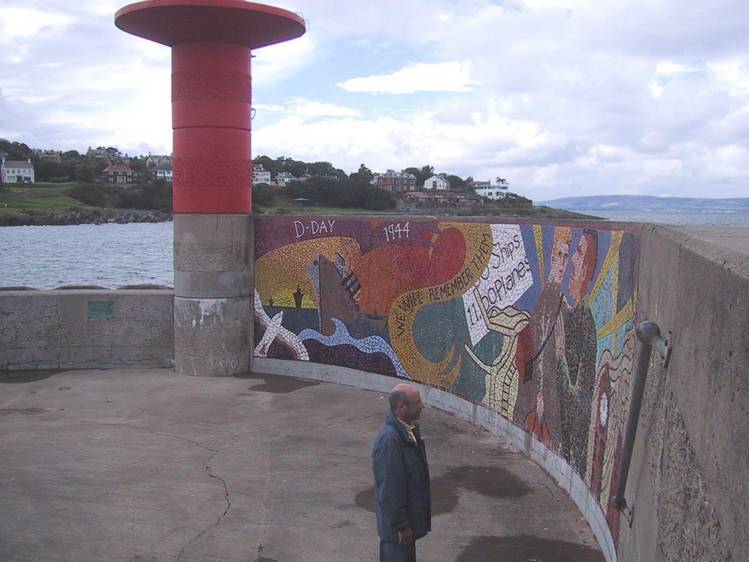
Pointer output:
647, 204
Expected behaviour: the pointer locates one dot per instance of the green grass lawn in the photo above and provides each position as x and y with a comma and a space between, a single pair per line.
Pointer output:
45, 184
12, 205
41, 185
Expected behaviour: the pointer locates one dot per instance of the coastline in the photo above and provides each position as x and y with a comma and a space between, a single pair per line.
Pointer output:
102, 215
95, 215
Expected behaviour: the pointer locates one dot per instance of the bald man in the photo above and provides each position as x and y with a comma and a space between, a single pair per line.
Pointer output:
403, 500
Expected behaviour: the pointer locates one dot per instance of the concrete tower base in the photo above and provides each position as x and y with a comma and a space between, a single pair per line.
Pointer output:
212, 288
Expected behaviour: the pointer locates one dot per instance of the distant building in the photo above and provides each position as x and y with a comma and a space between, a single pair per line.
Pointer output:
490, 190
282, 178
50, 155
394, 181
260, 174
493, 192
109, 154
437, 183
441, 198
162, 172
155, 160
16, 171
119, 173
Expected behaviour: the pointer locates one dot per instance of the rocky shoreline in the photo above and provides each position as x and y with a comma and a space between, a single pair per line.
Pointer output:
83, 216
98, 215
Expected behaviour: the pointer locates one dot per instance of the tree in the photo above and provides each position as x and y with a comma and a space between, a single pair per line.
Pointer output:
45, 170
426, 173
89, 194
15, 150
422, 174
378, 199
456, 182
325, 169
69, 166
341, 193
363, 175
273, 166
85, 172
262, 194
296, 168
137, 164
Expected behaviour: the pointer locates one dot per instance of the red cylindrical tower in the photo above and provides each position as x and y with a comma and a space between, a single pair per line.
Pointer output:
211, 120
212, 169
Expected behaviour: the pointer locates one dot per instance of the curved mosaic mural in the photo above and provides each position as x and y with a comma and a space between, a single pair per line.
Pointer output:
534, 321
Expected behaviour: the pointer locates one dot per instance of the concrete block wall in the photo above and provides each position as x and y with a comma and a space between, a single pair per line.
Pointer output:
86, 329
689, 480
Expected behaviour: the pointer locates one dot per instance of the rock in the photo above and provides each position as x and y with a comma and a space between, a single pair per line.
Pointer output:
84, 216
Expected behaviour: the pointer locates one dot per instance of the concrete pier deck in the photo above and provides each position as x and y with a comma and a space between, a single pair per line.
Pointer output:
146, 465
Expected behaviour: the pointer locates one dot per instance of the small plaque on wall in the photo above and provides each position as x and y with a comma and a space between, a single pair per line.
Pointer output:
101, 310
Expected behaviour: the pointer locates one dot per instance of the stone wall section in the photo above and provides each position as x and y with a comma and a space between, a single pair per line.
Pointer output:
688, 481
86, 329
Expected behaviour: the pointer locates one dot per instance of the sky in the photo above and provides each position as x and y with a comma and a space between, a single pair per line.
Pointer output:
560, 97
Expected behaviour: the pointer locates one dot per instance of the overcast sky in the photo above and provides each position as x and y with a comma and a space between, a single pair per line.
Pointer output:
560, 97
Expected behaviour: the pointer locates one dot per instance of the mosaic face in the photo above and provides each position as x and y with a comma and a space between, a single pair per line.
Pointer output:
533, 321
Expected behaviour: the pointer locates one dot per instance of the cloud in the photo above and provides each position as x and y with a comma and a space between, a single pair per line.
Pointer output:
732, 74
559, 96
279, 62
270, 107
23, 22
19, 24
308, 109
670, 68
420, 77
487, 139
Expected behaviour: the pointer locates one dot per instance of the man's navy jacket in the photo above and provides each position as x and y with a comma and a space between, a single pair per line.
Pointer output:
401, 474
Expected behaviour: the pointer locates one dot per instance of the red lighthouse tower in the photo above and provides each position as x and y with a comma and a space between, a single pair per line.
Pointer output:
211, 42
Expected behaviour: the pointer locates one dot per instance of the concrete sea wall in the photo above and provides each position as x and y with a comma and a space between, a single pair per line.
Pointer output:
690, 471
86, 329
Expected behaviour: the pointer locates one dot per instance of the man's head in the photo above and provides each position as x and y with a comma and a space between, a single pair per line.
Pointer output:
405, 402
583, 264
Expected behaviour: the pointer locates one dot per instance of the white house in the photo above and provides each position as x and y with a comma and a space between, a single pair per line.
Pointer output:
260, 174
16, 171
282, 178
437, 182
491, 192
162, 172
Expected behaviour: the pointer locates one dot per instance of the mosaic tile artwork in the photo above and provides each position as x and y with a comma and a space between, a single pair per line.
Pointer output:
533, 321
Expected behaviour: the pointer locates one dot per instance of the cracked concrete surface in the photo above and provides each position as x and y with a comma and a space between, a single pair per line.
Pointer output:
152, 466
